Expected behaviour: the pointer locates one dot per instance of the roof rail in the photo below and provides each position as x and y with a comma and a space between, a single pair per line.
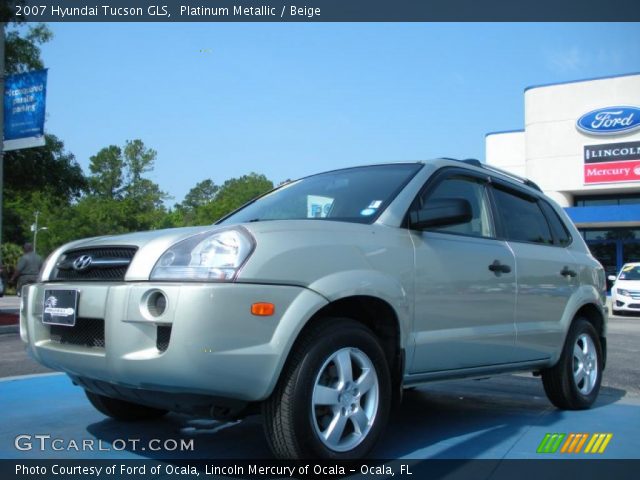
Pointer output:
477, 163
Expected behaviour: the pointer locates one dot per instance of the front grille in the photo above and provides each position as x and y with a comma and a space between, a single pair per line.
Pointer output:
103, 263
163, 337
634, 305
87, 332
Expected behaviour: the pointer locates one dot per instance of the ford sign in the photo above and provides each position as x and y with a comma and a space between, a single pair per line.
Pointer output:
610, 121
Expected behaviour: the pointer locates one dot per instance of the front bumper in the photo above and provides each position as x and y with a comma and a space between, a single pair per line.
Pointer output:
207, 342
625, 304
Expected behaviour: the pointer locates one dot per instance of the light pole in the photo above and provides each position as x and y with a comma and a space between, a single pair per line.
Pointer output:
35, 230
1, 127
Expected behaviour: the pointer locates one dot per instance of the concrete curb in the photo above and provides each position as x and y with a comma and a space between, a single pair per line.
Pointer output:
7, 329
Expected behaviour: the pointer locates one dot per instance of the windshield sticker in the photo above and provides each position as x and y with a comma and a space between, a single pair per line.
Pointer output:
368, 211
622, 276
318, 207
375, 204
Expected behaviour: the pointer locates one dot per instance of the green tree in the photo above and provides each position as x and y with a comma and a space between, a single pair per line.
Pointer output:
233, 194
32, 176
106, 169
185, 213
11, 253
120, 199
22, 48
143, 196
203, 193
47, 168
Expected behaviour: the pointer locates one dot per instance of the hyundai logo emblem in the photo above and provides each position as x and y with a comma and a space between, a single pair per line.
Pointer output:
81, 263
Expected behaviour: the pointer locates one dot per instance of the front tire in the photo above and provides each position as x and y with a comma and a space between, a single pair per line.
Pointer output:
123, 410
334, 395
574, 382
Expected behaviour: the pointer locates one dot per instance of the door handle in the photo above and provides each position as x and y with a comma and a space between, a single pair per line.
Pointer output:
498, 268
567, 272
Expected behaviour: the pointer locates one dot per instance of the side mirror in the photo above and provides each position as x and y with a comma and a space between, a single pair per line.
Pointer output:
612, 278
441, 213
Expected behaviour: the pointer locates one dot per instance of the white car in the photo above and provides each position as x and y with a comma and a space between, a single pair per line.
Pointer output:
625, 293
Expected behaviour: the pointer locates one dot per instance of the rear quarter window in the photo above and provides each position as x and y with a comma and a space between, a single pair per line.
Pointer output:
521, 218
558, 227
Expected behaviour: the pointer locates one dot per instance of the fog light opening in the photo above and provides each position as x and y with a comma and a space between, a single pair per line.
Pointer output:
156, 304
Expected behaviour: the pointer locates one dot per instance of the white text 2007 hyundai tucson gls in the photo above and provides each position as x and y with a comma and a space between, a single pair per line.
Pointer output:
321, 300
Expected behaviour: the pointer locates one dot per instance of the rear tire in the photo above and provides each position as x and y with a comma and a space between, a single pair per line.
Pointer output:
574, 382
123, 410
333, 397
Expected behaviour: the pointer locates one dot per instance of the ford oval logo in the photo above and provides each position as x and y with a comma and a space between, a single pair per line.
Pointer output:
610, 121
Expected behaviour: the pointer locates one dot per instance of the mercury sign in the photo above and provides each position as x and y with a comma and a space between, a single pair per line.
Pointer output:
612, 163
24, 108
610, 121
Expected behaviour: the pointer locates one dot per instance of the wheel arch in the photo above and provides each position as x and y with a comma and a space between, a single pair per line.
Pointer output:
594, 315
376, 314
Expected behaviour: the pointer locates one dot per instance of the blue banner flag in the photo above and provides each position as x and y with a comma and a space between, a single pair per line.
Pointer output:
24, 109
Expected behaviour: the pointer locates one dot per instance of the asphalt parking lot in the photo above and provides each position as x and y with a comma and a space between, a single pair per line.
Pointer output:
504, 417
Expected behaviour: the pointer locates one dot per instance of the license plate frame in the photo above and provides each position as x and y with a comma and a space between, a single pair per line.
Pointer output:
60, 307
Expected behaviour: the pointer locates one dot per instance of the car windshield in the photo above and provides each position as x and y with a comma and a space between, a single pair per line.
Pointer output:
352, 195
630, 272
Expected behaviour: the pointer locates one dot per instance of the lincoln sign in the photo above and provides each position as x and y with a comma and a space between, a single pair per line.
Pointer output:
612, 163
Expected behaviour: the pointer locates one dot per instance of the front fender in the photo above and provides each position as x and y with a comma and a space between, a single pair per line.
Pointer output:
370, 283
334, 287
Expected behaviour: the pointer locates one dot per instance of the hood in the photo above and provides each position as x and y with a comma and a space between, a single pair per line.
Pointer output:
294, 252
633, 285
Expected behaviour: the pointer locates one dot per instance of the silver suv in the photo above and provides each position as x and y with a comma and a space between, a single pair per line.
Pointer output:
322, 300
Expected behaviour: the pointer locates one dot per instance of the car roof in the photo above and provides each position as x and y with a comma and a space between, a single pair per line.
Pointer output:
468, 163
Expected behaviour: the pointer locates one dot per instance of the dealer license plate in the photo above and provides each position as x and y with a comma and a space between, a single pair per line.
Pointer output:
60, 307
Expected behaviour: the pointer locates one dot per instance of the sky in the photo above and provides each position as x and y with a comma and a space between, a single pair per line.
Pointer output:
221, 100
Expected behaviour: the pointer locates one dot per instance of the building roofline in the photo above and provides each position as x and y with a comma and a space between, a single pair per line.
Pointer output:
582, 80
520, 130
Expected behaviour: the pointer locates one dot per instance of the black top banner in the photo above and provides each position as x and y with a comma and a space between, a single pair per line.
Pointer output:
321, 10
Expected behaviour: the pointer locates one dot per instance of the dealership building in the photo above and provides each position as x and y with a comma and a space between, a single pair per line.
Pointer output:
581, 145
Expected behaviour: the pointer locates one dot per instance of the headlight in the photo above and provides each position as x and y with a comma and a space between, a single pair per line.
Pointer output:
623, 292
208, 256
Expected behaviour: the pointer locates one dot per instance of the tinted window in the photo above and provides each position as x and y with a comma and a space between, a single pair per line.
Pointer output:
350, 195
563, 237
475, 193
521, 218
604, 200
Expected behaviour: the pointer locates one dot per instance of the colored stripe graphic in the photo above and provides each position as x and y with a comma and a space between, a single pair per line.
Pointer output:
598, 443
551, 442
573, 443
